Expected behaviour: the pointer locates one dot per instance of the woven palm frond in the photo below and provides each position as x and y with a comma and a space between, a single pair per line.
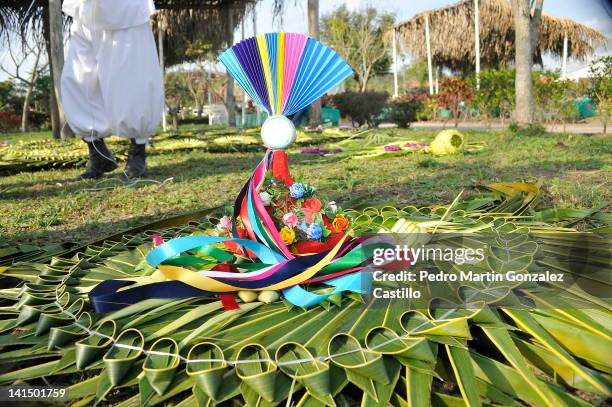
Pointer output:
184, 351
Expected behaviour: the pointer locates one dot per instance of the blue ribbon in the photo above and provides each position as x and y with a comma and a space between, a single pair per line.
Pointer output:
358, 282
178, 245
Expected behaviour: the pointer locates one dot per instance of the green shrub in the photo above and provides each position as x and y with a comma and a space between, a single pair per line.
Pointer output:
600, 89
404, 109
495, 98
554, 98
362, 107
528, 131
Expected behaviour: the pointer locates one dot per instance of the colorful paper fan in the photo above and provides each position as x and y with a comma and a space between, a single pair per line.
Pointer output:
284, 72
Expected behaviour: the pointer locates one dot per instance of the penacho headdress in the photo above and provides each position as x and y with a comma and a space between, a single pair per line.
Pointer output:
282, 237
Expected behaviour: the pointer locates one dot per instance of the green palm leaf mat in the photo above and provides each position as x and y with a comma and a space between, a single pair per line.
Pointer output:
347, 351
37, 155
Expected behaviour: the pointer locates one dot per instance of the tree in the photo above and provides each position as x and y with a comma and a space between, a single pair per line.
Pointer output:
600, 89
527, 15
313, 31
55, 50
455, 94
177, 93
360, 38
30, 51
416, 71
9, 100
197, 79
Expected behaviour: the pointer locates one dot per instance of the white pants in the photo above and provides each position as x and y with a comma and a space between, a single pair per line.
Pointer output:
112, 83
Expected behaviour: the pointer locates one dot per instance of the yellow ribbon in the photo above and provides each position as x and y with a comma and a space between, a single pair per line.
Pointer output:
201, 282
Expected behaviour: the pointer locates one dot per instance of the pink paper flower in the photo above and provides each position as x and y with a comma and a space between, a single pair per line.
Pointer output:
225, 224
290, 219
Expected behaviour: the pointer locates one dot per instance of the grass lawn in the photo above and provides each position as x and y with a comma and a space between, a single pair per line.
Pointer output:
54, 205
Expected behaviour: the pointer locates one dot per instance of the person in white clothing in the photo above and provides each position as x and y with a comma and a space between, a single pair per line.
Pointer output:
112, 81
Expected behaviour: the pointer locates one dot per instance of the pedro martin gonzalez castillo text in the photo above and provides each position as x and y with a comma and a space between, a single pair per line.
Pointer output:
404, 271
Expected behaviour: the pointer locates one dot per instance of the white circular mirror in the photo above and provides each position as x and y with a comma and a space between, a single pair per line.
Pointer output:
278, 132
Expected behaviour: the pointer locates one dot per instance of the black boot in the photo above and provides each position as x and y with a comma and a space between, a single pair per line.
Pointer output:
101, 160
136, 166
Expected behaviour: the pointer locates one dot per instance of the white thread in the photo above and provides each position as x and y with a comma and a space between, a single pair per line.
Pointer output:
245, 361
236, 362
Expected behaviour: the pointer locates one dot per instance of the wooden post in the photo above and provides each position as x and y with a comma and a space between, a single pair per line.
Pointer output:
56, 40
429, 63
313, 31
477, 41
230, 104
437, 80
564, 61
395, 86
160, 51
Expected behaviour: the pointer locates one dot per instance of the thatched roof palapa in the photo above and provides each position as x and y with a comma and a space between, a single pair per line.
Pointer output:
452, 35
181, 20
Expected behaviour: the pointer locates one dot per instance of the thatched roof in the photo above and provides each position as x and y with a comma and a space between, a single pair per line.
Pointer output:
452, 35
182, 20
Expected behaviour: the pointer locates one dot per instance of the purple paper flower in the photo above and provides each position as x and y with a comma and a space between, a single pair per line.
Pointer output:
310, 150
321, 151
416, 145
392, 148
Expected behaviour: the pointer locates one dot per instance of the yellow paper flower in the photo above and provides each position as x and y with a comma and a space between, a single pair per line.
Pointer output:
287, 234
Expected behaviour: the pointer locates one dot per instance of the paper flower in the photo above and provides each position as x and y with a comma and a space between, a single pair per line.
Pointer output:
296, 190
392, 147
265, 197
340, 223
314, 231
290, 219
318, 150
225, 224
332, 205
310, 207
287, 234
416, 145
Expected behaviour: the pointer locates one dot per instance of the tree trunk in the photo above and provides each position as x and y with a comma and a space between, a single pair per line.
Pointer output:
25, 113
230, 103
526, 28
314, 118
56, 28
53, 110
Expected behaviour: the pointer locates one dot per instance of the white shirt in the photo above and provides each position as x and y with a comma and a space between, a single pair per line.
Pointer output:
109, 14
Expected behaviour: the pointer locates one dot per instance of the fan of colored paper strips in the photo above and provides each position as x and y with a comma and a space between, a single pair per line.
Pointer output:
284, 72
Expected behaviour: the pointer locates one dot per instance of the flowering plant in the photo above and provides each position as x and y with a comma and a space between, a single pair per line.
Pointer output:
302, 218
301, 215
